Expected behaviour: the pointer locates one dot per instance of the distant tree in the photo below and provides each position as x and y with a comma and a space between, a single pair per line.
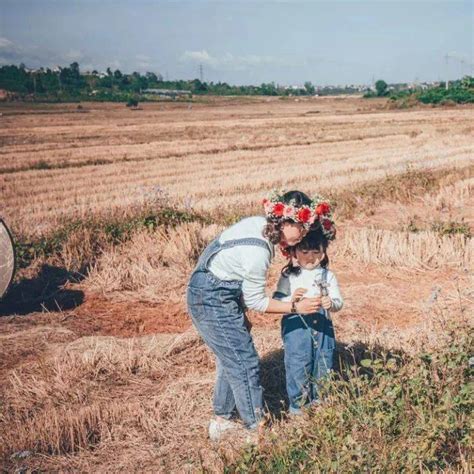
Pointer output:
117, 74
310, 89
109, 72
71, 79
74, 68
151, 76
467, 82
198, 86
132, 102
381, 88
268, 89
15, 79
50, 81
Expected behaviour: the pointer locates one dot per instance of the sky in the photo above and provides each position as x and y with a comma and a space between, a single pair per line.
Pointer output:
246, 42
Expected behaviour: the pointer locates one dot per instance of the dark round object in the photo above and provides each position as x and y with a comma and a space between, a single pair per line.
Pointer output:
7, 258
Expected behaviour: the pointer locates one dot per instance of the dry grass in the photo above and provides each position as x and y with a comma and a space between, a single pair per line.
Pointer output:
102, 403
451, 197
423, 250
189, 154
152, 266
105, 393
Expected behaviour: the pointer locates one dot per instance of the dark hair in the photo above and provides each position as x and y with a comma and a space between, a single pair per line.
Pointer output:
313, 240
272, 231
297, 198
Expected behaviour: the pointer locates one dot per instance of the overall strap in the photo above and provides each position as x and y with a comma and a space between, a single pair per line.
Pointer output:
324, 275
233, 243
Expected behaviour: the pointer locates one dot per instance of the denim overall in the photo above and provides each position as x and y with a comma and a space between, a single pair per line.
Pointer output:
309, 343
217, 311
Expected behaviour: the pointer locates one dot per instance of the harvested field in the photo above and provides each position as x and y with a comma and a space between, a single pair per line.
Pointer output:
188, 152
101, 370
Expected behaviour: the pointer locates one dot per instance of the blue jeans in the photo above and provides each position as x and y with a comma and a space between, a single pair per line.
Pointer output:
216, 310
309, 353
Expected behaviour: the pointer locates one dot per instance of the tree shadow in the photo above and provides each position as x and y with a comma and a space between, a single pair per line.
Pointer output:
44, 292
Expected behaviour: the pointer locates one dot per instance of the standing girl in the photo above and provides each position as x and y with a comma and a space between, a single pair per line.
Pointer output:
308, 339
231, 273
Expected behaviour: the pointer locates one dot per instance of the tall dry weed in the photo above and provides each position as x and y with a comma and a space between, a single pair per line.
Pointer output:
152, 265
423, 250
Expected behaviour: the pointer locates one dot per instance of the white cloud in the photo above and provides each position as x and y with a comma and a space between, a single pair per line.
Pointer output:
232, 62
143, 57
143, 62
5, 43
199, 57
73, 55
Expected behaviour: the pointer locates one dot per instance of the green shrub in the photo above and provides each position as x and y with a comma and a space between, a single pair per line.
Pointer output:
132, 102
452, 228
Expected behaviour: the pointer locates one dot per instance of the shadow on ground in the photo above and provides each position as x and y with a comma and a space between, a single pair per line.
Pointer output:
44, 292
272, 368
347, 357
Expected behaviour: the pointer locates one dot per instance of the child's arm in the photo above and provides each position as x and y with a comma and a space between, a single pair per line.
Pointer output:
333, 289
333, 301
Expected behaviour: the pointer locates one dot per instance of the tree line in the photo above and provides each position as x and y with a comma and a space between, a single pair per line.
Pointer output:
69, 83
455, 92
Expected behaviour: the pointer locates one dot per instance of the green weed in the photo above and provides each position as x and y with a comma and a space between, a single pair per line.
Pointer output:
386, 413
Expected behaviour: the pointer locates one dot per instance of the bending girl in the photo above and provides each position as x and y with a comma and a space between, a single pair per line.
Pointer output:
231, 273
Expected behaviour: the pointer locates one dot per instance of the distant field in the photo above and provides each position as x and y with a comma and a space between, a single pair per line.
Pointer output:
60, 163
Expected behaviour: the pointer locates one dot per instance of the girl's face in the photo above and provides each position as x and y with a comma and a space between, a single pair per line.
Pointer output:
292, 233
309, 259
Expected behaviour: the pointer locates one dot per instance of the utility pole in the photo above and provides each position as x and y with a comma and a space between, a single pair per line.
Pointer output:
447, 80
201, 73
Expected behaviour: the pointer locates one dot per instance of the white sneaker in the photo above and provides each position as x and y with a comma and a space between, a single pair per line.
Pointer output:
218, 426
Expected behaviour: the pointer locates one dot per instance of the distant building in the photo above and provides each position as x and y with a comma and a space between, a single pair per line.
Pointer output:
169, 93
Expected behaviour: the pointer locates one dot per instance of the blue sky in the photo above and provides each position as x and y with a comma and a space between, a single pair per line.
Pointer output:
245, 42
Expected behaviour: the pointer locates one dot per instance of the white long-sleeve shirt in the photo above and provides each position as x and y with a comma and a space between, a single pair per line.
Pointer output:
246, 263
287, 285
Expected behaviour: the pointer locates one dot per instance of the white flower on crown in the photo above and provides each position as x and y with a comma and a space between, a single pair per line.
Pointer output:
289, 212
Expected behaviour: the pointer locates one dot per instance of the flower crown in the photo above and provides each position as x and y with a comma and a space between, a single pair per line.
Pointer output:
317, 212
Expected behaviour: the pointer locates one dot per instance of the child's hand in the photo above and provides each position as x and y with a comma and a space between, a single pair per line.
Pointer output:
308, 305
298, 294
326, 302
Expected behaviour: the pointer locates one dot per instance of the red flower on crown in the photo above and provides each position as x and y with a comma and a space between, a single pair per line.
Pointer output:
317, 213
304, 214
278, 209
323, 209
327, 224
